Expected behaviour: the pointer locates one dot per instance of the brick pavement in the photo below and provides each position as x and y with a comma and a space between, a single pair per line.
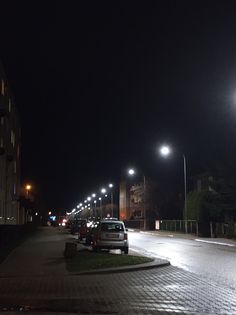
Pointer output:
167, 290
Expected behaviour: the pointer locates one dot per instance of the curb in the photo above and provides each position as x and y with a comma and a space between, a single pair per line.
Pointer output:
157, 263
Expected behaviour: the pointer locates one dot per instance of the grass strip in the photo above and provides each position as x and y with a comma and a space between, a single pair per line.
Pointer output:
87, 260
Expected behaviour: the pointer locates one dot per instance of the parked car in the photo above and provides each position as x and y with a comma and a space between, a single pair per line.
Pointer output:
111, 235
79, 226
91, 228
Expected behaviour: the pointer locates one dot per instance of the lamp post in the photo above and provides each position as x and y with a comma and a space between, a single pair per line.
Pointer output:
165, 151
100, 199
28, 188
111, 186
132, 172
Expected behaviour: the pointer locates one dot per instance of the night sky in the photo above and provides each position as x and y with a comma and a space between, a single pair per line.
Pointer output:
99, 85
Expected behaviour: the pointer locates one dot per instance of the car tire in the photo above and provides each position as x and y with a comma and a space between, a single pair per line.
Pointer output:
126, 250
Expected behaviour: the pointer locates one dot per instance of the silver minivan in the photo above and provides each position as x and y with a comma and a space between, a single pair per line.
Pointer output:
111, 234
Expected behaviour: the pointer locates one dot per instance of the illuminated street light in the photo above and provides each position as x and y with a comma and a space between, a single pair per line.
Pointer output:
93, 195
103, 190
50, 212
110, 185
89, 198
80, 204
165, 151
28, 187
131, 171
100, 198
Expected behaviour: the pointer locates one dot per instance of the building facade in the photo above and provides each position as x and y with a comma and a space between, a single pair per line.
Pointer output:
9, 156
139, 202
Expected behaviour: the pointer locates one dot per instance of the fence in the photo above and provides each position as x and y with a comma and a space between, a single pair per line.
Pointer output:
189, 226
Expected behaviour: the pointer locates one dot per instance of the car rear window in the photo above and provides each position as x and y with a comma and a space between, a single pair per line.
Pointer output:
112, 227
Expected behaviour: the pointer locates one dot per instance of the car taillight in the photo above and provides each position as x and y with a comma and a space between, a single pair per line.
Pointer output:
125, 236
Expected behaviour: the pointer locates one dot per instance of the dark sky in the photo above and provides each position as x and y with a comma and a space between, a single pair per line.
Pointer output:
100, 84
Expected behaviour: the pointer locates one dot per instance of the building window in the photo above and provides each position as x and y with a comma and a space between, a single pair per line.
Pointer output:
9, 105
18, 152
2, 87
2, 121
13, 138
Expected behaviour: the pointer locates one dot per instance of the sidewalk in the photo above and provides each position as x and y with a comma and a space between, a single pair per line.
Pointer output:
41, 255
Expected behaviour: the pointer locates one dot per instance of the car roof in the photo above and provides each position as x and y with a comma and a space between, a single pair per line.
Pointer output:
111, 221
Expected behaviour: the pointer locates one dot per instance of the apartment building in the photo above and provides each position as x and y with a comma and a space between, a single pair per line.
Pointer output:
10, 212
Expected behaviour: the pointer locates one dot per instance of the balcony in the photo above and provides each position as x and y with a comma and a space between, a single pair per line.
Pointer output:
3, 105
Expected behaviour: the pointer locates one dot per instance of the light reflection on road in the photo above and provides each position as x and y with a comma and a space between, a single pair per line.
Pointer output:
202, 258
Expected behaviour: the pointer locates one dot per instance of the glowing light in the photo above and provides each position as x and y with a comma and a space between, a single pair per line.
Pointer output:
131, 171
103, 191
165, 150
110, 185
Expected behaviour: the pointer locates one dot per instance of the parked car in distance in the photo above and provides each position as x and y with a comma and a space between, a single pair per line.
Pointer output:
111, 234
79, 226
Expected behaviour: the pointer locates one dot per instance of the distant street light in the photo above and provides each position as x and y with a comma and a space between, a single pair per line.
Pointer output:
132, 172
103, 190
28, 187
89, 198
93, 195
165, 151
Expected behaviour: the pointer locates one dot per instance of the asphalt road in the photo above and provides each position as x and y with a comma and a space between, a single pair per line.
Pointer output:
217, 262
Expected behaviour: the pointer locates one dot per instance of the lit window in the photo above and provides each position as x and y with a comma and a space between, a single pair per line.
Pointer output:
2, 87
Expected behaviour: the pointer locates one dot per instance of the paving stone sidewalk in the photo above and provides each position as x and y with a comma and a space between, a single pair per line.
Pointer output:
167, 290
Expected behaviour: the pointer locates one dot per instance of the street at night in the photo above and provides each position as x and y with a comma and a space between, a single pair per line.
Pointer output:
117, 157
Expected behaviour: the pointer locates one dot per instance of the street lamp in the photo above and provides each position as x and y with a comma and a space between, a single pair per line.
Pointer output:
132, 172
95, 207
28, 187
103, 190
165, 151
100, 199
111, 186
